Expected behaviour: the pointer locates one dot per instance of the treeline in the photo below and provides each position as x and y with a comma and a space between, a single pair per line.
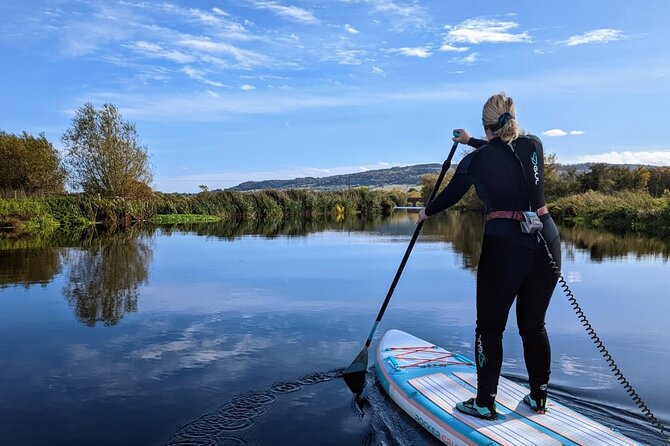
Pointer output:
603, 178
102, 155
46, 214
29, 165
605, 196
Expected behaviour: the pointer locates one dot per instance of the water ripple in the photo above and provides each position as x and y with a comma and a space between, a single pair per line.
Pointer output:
238, 414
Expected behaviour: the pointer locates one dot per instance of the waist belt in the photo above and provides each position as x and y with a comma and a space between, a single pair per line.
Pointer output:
514, 215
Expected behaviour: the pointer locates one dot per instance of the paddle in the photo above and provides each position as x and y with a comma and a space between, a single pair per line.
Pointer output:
354, 375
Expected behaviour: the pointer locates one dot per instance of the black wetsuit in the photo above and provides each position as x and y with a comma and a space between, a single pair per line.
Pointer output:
512, 264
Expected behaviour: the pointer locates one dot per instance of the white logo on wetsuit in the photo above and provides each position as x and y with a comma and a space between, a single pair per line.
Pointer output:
536, 169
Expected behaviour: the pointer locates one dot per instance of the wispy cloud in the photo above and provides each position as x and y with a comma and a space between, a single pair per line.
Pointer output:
422, 52
225, 25
343, 51
246, 58
561, 132
466, 60
203, 107
378, 71
247, 87
456, 49
293, 13
350, 29
402, 14
654, 158
150, 49
484, 30
199, 76
603, 35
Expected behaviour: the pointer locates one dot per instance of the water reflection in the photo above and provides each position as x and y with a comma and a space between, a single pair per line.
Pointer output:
229, 230
106, 269
29, 266
603, 245
103, 279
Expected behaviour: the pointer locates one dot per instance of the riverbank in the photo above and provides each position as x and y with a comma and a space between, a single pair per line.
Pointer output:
621, 212
32, 215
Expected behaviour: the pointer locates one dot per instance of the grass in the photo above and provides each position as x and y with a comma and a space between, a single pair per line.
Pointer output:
622, 212
80, 210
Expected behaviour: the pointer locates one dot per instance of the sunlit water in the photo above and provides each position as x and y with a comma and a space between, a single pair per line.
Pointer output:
220, 335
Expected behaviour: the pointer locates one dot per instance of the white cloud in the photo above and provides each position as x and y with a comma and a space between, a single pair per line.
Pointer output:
421, 52
411, 14
247, 87
343, 54
219, 12
467, 60
350, 29
561, 132
456, 49
483, 30
246, 58
203, 107
199, 76
603, 35
290, 12
154, 50
654, 158
555, 132
378, 71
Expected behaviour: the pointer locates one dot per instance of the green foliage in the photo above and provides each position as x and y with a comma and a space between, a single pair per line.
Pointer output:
79, 210
399, 197
558, 183
26, 215
105, 156
627, 211
469, 202
30, 164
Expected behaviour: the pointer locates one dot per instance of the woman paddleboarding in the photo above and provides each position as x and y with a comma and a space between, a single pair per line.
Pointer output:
507, 170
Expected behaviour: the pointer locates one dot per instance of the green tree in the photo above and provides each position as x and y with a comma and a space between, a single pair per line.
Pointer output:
105, 155
30, 164
659, 181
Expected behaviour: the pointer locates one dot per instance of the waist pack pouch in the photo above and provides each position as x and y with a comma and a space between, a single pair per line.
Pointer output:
531, 223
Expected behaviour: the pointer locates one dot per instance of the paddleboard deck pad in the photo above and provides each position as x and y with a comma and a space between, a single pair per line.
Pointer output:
427, 381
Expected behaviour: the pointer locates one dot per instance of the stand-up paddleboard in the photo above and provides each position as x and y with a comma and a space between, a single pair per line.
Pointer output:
427, 381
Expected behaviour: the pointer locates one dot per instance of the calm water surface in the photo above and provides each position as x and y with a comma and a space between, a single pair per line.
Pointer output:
215, 334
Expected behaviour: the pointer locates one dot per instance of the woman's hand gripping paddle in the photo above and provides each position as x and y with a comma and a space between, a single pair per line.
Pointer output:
354, 375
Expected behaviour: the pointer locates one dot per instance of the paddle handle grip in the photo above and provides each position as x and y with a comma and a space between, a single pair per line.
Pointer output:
445, 167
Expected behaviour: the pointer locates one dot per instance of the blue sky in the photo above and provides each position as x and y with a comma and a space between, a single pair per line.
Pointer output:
228, 91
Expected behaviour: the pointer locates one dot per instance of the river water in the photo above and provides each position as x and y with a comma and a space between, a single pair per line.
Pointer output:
224, 334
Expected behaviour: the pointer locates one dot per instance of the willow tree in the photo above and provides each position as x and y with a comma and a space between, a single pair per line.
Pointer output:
104, 153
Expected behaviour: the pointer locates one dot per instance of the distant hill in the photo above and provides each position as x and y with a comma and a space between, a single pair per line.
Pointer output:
394, 176
407, 175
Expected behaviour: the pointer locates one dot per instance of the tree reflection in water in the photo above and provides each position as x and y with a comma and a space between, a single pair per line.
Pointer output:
105, 270
104, 278
27, 265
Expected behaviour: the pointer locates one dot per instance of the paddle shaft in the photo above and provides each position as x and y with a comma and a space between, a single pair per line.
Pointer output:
445, 167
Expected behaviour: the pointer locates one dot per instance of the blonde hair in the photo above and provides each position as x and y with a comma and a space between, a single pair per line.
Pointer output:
495, 107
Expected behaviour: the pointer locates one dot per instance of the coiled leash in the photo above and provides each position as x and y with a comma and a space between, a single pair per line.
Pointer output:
646, 411
530, 224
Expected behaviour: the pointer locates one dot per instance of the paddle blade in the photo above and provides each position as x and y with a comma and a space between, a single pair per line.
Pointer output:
354, 375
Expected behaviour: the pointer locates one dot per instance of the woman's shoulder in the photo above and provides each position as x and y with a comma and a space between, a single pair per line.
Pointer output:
529, 138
